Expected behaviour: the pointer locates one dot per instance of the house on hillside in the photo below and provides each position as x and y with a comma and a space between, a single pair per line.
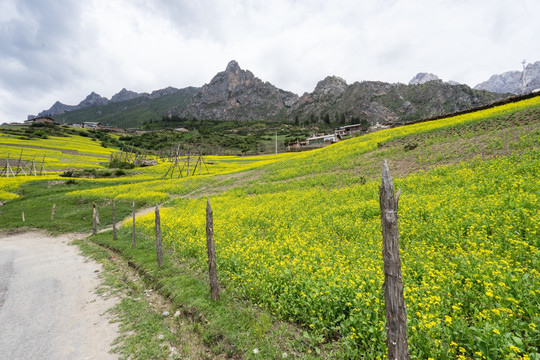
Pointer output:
350, 129
41, 120
322, 140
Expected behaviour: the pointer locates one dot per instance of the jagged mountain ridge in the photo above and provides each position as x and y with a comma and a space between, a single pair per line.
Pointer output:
236, 94
422, 78
94, 99
132, 112
515, 82
380, 102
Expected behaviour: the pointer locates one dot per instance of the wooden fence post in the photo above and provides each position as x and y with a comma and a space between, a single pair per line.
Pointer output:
133, 231
159, 250
113, 219
53, 211
396, 313
94, 219
212, 267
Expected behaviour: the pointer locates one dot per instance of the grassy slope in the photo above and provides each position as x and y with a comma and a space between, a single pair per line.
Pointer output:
495, 136
130, 113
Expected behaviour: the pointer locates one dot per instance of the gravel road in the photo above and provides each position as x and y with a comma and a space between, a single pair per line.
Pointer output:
48, 305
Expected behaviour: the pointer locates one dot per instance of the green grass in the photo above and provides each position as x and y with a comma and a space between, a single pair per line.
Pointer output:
130, 113
230, 327
72, 215
234, 327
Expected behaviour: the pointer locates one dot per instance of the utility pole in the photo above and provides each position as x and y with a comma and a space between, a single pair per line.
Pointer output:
276, 142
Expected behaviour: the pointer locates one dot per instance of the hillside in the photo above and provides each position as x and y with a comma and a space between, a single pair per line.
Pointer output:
238, 95
132, 112
378, 102
298, 238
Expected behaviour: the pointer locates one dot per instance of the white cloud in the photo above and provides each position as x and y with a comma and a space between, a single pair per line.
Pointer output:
62, 50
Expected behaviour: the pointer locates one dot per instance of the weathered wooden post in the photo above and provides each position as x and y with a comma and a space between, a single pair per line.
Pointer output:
212, 267
159, 249
94, 219
113, 219
396, 313
133, 231
53, 211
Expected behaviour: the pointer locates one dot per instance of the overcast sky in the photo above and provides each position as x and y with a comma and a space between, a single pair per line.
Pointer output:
62, 50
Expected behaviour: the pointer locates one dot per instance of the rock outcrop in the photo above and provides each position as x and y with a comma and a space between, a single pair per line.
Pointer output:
380, 102
93, 100
422, 78
236, 94
125, 95
515, 82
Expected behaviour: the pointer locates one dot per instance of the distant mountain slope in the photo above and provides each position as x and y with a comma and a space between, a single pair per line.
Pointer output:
513, 81
237, 94
133, 112
381, 102
58, 108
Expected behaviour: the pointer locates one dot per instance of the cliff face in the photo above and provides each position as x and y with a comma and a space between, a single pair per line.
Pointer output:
422, 78
513, 81
381, 102
236, 94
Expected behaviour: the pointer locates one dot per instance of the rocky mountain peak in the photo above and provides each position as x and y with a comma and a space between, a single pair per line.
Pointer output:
333, 85
233, 67
93, 99
422, 78
516, 82
236, 94
124, 95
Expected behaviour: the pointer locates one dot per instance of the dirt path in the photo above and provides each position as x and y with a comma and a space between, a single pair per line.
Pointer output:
48, 305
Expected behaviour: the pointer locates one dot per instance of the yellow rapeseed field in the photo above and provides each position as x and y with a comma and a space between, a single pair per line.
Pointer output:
299, 234
310, 251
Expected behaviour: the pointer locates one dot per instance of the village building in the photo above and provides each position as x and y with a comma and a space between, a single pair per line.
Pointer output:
322, 140
349, 129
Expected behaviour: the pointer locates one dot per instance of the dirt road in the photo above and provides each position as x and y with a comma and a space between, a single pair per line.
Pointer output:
48, 305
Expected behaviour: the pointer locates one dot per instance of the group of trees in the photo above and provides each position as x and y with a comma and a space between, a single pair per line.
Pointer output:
331, 121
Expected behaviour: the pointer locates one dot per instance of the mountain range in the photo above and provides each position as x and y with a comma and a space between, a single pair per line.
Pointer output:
237, 94
515, 82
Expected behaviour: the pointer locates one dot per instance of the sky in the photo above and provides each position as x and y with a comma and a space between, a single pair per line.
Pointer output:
62, 50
